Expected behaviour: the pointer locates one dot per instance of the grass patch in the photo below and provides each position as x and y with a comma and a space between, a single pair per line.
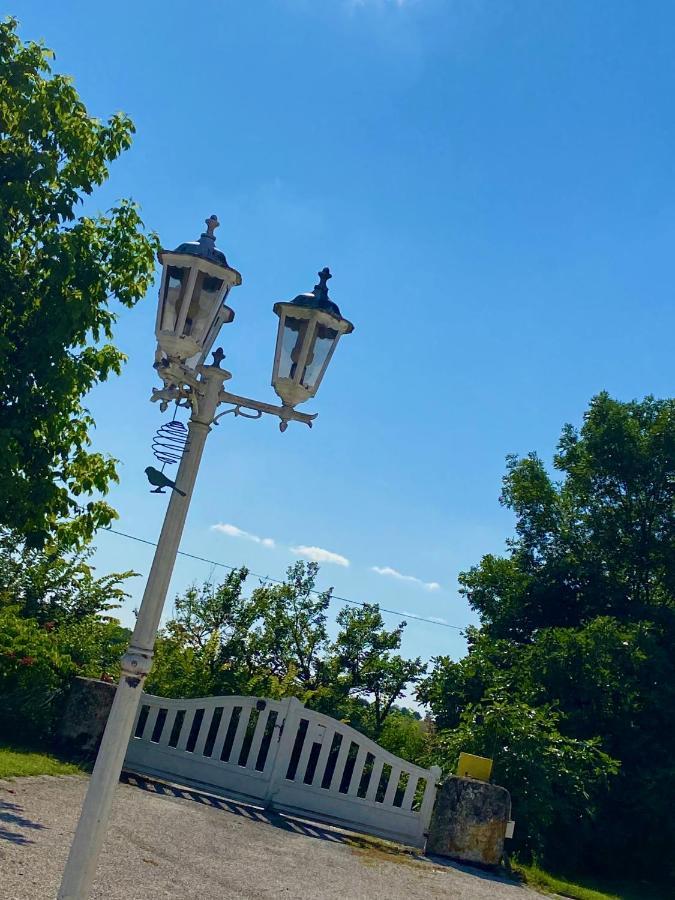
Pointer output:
563, 887
542, 881
16, 762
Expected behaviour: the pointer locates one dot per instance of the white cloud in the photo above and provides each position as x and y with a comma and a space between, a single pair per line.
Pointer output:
233, 531
318, 554
394, 573
439, 619
380, 4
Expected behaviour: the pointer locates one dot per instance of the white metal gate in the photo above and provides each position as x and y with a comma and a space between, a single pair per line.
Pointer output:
281, 755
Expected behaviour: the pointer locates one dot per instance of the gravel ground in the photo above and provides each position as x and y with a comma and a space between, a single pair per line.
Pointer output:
170, 842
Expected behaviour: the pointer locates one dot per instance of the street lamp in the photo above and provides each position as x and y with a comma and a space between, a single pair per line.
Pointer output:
196, 280
309, 328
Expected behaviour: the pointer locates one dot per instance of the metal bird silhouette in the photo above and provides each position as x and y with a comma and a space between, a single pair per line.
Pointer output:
160, 481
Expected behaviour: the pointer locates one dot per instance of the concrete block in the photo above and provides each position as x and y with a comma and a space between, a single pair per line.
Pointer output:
469, 821
85, 714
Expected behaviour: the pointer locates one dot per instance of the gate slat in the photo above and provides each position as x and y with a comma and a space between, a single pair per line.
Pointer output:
150, 723
323, 756
222, 732
340, 762
390, 793
374, 782
258, 736
204, 731
244, 716
409, 795
188, 719
304, 756
358, 772
168, 727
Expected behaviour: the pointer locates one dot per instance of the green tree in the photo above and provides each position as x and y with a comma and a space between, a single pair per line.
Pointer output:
204, 650
404, 733
291, 637
59, 275
274, 643
270, 643
602, 542
48, 585
363, 665
579, 618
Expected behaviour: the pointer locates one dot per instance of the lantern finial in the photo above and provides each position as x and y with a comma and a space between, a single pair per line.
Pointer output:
211, 224
218, 357
321, 289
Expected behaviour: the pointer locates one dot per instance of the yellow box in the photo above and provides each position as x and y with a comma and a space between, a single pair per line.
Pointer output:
470, 766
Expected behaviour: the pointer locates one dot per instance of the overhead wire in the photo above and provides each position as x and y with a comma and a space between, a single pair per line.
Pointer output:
215, 563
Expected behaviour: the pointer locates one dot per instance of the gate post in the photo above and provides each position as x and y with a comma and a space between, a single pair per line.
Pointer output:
285, 743
428, 800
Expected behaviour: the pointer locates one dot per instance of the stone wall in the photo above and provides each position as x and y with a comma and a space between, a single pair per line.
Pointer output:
469, 821
85, 714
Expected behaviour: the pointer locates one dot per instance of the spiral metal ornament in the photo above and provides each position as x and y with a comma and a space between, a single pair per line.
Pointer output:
169, 442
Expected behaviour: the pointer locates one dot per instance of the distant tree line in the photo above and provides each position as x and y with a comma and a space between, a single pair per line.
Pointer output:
274, 642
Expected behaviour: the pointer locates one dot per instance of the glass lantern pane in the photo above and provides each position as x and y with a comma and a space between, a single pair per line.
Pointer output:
291, 346
316, 359
172, 299
202, 305
212, 333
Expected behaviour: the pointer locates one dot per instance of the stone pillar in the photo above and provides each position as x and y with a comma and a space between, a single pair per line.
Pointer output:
85, 714
469, 821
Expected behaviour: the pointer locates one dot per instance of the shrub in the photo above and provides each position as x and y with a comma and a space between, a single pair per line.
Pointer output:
554, 780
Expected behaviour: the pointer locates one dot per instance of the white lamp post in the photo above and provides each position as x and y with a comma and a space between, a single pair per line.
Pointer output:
196, 279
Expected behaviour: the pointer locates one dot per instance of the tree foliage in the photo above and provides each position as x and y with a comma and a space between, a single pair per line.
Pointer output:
554, 780
55, 623
602, 542
59, 274
578, 624
275, 643
363, 664
290, 637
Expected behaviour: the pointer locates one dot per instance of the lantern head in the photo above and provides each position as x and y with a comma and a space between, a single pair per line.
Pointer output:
196, 279
309, 328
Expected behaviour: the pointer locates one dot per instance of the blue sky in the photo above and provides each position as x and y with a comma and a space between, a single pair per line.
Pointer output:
492, 187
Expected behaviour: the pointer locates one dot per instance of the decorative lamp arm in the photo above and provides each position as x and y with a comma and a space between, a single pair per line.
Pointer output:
285, 413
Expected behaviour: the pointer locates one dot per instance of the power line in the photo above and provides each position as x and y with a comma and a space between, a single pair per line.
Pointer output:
215, 563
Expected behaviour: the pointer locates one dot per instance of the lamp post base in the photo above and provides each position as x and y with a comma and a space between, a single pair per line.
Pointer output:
91, 829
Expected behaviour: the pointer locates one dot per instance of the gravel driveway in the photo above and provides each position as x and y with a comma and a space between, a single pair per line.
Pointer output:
170, 842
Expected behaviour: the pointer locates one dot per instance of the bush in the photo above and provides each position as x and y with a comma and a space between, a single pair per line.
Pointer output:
554, 780
38, 661
33, 673
54, 625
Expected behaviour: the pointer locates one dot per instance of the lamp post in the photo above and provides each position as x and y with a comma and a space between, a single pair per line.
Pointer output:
196, 280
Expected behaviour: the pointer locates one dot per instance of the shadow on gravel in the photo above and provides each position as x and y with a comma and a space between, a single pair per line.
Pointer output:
237, 808
10, 815
368, 845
